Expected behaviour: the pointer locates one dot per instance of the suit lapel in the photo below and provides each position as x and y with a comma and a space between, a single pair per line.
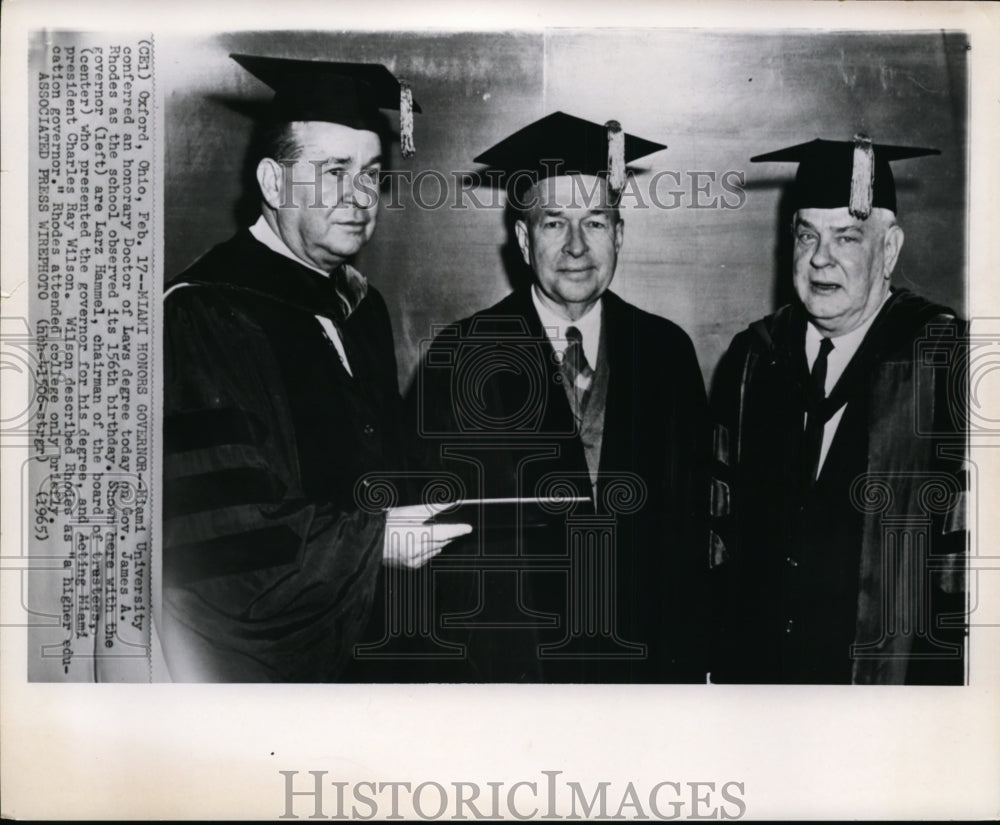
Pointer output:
622, 392
557, 417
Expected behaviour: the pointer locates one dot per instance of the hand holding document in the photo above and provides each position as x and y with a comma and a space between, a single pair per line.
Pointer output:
413, 538
415, 533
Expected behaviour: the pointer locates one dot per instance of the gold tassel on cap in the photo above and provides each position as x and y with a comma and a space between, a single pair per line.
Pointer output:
616, 156
862, 177
406, 119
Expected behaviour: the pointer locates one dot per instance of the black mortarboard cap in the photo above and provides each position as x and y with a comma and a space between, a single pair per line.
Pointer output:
561, 144
852, 173
347, 93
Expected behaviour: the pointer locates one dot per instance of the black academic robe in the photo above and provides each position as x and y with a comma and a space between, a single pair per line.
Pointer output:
857, 576
270, 552
491, 409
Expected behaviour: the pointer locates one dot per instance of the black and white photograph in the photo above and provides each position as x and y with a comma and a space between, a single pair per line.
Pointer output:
570, 415
551, 272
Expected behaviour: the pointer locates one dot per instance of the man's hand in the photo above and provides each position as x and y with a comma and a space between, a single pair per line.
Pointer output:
410, 541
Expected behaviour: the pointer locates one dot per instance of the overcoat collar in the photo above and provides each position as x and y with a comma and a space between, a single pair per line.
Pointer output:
900, 319
260, 271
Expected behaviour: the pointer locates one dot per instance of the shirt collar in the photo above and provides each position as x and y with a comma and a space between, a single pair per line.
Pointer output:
555, 326
351, 285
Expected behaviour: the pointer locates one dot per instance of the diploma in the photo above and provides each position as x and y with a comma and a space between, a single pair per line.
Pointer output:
490, 513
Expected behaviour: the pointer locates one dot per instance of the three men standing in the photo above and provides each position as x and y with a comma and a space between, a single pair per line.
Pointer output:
577, 424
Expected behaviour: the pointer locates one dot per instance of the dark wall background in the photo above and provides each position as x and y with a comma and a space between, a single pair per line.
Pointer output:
715, 98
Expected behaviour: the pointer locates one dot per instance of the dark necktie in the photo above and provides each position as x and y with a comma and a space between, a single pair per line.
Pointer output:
576, 372
815, 414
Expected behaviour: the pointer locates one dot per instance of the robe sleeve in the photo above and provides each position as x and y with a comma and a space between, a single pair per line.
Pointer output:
728, 386
683, 519
694, 438
943, 362
727, 390
259, 584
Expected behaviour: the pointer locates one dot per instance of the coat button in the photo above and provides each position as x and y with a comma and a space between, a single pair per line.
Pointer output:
789, 625
791, 562
368, 429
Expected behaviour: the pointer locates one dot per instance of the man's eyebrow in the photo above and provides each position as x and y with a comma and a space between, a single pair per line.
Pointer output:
347, 159
839, 230
559, 212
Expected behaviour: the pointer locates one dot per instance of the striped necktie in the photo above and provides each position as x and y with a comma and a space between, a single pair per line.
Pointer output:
576, 372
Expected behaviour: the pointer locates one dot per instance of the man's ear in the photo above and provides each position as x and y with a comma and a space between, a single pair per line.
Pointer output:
521, 230
619, 235
892, 243
269, 179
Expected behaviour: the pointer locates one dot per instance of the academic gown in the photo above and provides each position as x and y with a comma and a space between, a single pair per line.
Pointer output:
270, 552
492, 411
857, 576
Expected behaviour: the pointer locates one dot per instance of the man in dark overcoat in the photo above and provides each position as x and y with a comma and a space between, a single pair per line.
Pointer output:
839, 500
566, 393
281, 402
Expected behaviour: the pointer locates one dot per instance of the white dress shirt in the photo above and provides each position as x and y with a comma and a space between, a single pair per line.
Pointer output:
267, 236
555, 327
844, 347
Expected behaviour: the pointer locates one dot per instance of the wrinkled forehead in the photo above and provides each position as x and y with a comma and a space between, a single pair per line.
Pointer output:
841, 218
566, 192
320, 139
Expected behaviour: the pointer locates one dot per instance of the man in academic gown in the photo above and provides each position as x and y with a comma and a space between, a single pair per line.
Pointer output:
564, 389
280, 397
839, 500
